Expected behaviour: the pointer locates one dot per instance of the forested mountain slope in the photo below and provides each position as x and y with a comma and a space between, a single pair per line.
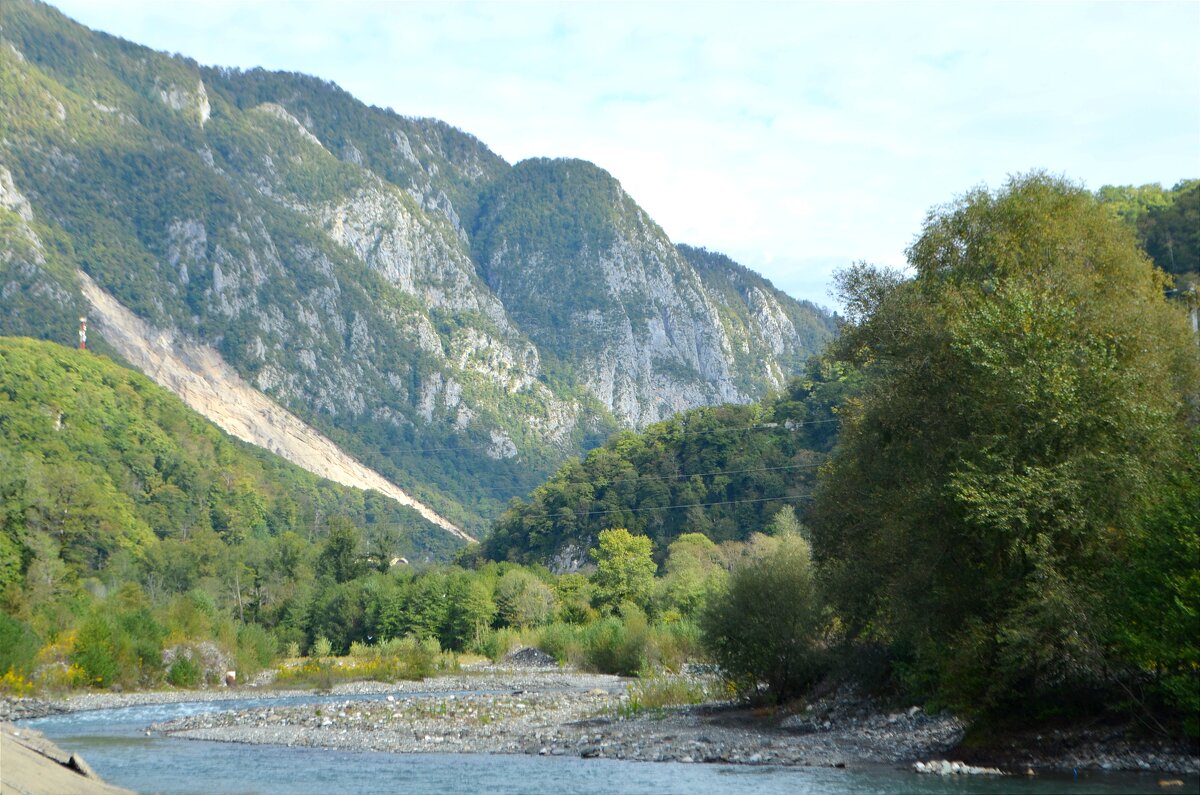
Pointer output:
1167, 222
100, 465
724, 472
359, 267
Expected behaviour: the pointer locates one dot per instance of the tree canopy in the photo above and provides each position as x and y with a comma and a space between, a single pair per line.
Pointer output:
1026, 399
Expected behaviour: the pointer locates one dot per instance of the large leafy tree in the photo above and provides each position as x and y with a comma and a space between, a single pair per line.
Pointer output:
624, 568
1025, 401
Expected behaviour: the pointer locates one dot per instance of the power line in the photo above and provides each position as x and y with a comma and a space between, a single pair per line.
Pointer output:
714, 473
786, 426
582, 514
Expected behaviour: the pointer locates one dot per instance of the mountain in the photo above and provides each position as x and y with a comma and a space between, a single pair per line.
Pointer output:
96, 462
456, 323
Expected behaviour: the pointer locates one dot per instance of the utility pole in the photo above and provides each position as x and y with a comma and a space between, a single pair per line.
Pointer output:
83, 333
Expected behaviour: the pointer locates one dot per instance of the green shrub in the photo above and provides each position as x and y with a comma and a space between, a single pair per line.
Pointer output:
185, 672
390, 661
321, 647
654, 693
256, 649
762, 629
499, 642
95, 651
618, 645
562, 641
18, 646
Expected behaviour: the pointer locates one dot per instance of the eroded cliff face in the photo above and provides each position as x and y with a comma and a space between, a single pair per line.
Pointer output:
201, 378
462, 323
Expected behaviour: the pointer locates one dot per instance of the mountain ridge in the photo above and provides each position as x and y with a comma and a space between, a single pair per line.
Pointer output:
358, 266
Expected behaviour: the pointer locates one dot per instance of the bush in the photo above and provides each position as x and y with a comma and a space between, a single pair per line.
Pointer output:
185, 672
18, 646
390, 661
255, 649
95, 651
321, 647
499, 642
562, 641
763, 629
619, 645
656, 692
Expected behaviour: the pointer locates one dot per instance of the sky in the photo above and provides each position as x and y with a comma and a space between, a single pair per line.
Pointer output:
796, 137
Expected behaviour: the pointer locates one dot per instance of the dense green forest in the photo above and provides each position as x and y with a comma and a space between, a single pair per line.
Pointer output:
1167, 223
108, 481
722, 472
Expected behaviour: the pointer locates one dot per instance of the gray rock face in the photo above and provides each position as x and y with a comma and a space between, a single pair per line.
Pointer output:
649, 332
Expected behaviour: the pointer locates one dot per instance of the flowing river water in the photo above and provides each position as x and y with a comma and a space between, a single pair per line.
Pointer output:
115, 743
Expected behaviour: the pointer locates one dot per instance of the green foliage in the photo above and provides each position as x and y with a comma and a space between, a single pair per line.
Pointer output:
321, 647
624, 569
739, 462
523, 600
1155, 596
339, 558
1167, 222
656, 692
391, 661
555, 216
628, 644
18, 646
764, 628
185, 672
472, 610
693, 572
1025, 399
121, 646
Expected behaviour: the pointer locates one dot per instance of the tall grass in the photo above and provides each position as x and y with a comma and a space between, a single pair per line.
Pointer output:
390, 661
627, 645
655, 693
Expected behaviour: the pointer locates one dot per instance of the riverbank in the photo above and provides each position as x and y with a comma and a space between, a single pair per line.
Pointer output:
563, 713
556, 713
32, 765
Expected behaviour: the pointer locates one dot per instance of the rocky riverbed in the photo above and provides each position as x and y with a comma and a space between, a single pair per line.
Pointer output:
556, 713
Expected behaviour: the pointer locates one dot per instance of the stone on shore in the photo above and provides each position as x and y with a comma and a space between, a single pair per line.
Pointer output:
944, 767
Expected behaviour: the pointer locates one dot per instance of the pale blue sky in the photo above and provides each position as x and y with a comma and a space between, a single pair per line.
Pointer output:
795, 137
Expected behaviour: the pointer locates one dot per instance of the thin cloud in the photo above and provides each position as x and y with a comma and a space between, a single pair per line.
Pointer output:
790, 136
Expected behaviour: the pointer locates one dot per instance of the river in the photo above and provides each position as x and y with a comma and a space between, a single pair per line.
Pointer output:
115, 743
